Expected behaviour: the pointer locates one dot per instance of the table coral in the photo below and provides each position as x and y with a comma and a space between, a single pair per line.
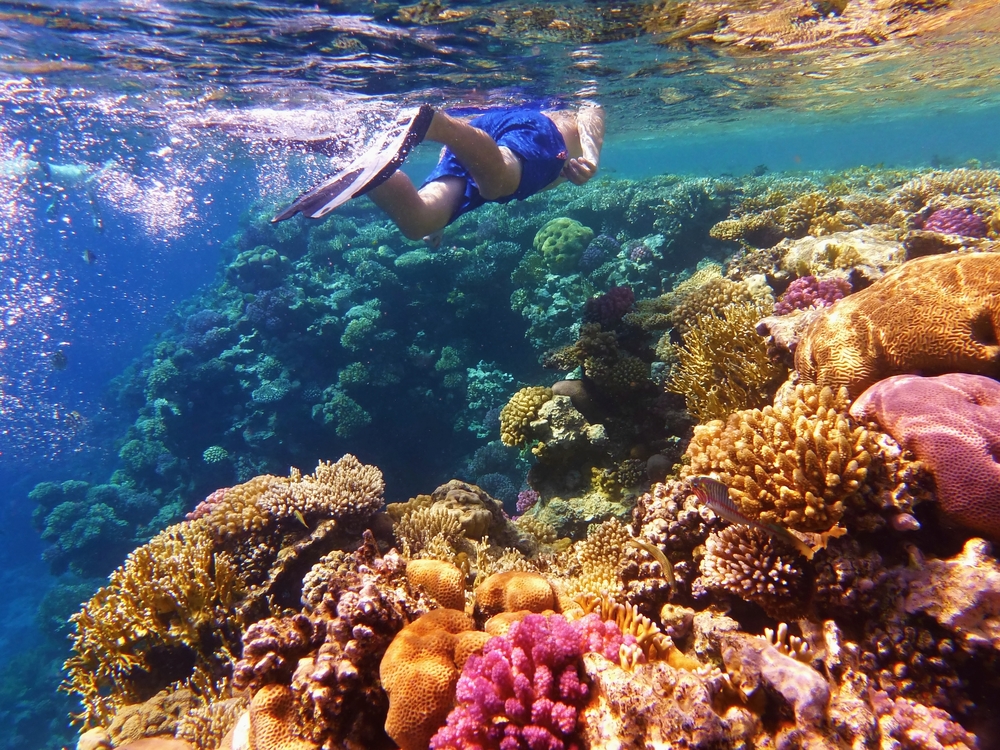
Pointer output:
528, 686
798, 464
934, 314
952, 424
724, 364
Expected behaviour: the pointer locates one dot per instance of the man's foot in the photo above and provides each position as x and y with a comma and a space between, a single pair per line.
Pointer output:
368, 171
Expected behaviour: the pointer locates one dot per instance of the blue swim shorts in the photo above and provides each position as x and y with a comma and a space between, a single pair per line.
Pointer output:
529, 134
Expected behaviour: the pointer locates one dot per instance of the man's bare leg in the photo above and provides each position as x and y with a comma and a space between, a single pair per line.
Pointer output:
418, 213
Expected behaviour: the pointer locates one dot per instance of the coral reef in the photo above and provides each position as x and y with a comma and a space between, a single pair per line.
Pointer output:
932, 315
561, 243
520, 411
809, 292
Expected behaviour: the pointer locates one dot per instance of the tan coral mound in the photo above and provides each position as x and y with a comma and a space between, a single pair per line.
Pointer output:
271, 720
799, 463
419, 672
441, 580
514, 591
931, 315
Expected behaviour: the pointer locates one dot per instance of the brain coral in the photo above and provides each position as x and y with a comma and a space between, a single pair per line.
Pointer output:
520, 411
798, 464
952, 424
935, 314
419, 672
561, 243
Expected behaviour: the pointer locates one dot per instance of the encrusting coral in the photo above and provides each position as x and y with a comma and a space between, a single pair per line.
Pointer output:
191, 589
930, 315
799, 464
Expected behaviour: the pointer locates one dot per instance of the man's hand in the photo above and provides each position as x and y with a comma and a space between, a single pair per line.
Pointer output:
578, 171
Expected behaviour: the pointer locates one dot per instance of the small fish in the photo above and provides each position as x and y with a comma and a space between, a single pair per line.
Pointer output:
657, 554
300, 518
59, 360
89, 257
715, 495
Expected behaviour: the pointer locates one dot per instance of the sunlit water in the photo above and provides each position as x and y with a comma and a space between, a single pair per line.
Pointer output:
133, 135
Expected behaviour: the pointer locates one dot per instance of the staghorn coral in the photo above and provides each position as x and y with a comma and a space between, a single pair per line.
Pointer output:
593, 566
724, 364
952, 425
934, 314
756, 567
173, 594
715, 294
426, 528
520, 411
799, 464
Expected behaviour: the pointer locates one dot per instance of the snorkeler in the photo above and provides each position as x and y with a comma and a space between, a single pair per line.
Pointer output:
503, 155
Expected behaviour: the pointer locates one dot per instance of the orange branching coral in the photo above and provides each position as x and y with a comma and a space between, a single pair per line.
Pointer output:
799, 464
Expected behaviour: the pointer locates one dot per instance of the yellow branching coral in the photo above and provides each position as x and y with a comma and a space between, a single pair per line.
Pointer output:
543, 533
969, 183
520, 411
174, 593
755, 230
415, 531
799, 464
593, 566
715, 294
723, 363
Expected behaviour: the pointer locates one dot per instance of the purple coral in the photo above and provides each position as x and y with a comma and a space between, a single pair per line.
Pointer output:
526, 500
271, 309
638, 252
959, 221
608, 308
809, 292
598, 251
528, 687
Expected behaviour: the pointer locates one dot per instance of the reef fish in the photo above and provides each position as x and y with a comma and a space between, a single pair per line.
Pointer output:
715, 495
657, 554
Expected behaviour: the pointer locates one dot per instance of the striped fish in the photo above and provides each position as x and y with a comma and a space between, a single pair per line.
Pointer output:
715, 495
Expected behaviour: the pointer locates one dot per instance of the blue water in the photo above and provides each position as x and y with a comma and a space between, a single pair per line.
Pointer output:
120, 192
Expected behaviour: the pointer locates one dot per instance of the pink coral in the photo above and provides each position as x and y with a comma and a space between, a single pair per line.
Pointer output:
528, 687
955, 221
608, 308
952, 424
808, 292
917, 727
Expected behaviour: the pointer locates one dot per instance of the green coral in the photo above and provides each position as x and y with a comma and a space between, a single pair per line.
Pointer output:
260, 268
214, 454
561, 242
341, 410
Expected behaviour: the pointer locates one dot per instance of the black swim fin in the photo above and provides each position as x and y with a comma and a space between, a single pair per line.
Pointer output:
368, 171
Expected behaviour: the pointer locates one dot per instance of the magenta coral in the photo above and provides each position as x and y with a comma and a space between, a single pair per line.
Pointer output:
526, 500
207, 505
526, 690
955, 221
952, 424
608, 308
809, 292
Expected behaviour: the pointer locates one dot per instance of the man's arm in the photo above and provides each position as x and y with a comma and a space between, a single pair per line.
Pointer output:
590, 127
590, 121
